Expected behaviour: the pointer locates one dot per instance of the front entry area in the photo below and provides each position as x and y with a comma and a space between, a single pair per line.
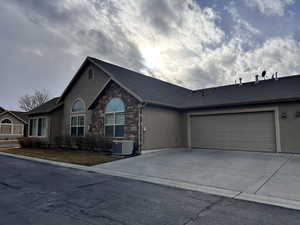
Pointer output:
249, 131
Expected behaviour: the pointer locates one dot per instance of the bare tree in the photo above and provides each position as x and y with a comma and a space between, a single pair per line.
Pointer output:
29, 102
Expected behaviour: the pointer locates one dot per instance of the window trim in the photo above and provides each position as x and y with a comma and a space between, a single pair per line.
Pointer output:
37, 127
83, 102
77, 115
6, 119
114, 124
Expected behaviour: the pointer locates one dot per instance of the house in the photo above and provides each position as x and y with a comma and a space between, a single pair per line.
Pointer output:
13, 124
111, 101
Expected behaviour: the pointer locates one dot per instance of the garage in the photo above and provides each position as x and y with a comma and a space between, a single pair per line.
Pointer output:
252, 131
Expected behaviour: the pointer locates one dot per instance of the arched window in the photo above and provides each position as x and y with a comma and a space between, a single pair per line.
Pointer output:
114, 118
6, 121
6, 127
78, 106
78, 118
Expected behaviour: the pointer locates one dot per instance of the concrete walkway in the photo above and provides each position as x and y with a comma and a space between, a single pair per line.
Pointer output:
244, 175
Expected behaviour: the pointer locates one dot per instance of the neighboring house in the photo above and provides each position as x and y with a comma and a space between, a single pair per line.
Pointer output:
13, 124
111, 101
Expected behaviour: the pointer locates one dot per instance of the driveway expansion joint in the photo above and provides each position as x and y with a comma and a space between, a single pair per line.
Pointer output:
274, 173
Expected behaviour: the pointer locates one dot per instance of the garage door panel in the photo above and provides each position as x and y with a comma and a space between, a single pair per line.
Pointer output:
238, 131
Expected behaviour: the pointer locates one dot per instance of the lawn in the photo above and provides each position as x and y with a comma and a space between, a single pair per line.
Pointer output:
61, 155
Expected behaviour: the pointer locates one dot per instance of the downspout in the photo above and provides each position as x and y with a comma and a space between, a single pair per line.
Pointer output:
140, 135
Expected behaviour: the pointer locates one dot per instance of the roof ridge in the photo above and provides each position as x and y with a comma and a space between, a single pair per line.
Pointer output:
141, 74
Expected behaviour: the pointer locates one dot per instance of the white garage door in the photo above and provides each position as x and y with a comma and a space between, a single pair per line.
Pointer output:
236, 131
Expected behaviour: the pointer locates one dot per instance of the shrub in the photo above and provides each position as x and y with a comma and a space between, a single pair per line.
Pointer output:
88, 143
30, 142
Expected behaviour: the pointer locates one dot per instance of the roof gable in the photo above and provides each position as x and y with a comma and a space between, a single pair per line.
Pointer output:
148, 89
105, 87
21, 116
154, 91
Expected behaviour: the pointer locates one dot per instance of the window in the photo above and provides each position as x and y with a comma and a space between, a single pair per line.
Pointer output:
91, 74
78, 119
114, 118
38, 127
78, 107
6, 127
6, 121
77, 126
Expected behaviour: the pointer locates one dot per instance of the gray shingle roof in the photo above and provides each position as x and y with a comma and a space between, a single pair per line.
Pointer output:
283, 89
47, 107
21, 115
148, 88
152, 90
17, 114
155, 91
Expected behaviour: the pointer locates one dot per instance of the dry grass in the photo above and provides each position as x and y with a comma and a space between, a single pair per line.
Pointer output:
60, 155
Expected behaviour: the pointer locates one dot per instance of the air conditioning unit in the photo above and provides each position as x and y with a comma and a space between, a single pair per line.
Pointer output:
122, 147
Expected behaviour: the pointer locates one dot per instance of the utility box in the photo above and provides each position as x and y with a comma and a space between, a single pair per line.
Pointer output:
122, 147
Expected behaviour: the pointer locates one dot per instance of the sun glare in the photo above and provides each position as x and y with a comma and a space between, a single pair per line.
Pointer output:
152, 57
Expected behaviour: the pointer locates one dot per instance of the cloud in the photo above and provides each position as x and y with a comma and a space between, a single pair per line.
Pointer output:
270, 7
179, 41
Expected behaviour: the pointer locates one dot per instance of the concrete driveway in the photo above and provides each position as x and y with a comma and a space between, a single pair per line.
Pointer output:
39, 193
261, 174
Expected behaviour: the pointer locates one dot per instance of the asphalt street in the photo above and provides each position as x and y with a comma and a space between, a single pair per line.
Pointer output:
41, 194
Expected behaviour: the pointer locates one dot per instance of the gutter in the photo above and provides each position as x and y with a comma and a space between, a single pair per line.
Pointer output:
243, 104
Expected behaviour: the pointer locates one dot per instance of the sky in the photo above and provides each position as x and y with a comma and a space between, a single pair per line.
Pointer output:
192, 43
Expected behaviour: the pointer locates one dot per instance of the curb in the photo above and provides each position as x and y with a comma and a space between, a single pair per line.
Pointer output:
285, 203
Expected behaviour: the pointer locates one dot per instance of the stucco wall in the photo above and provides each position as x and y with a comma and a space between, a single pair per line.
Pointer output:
162, 128
55, 121
84, 89
288, 127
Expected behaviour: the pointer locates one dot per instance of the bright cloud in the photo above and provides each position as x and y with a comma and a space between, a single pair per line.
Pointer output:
181, 41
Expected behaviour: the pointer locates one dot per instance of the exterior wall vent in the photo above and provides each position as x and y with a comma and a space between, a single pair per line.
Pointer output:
284, 115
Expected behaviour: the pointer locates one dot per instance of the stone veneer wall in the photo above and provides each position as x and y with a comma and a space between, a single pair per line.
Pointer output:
131, 128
